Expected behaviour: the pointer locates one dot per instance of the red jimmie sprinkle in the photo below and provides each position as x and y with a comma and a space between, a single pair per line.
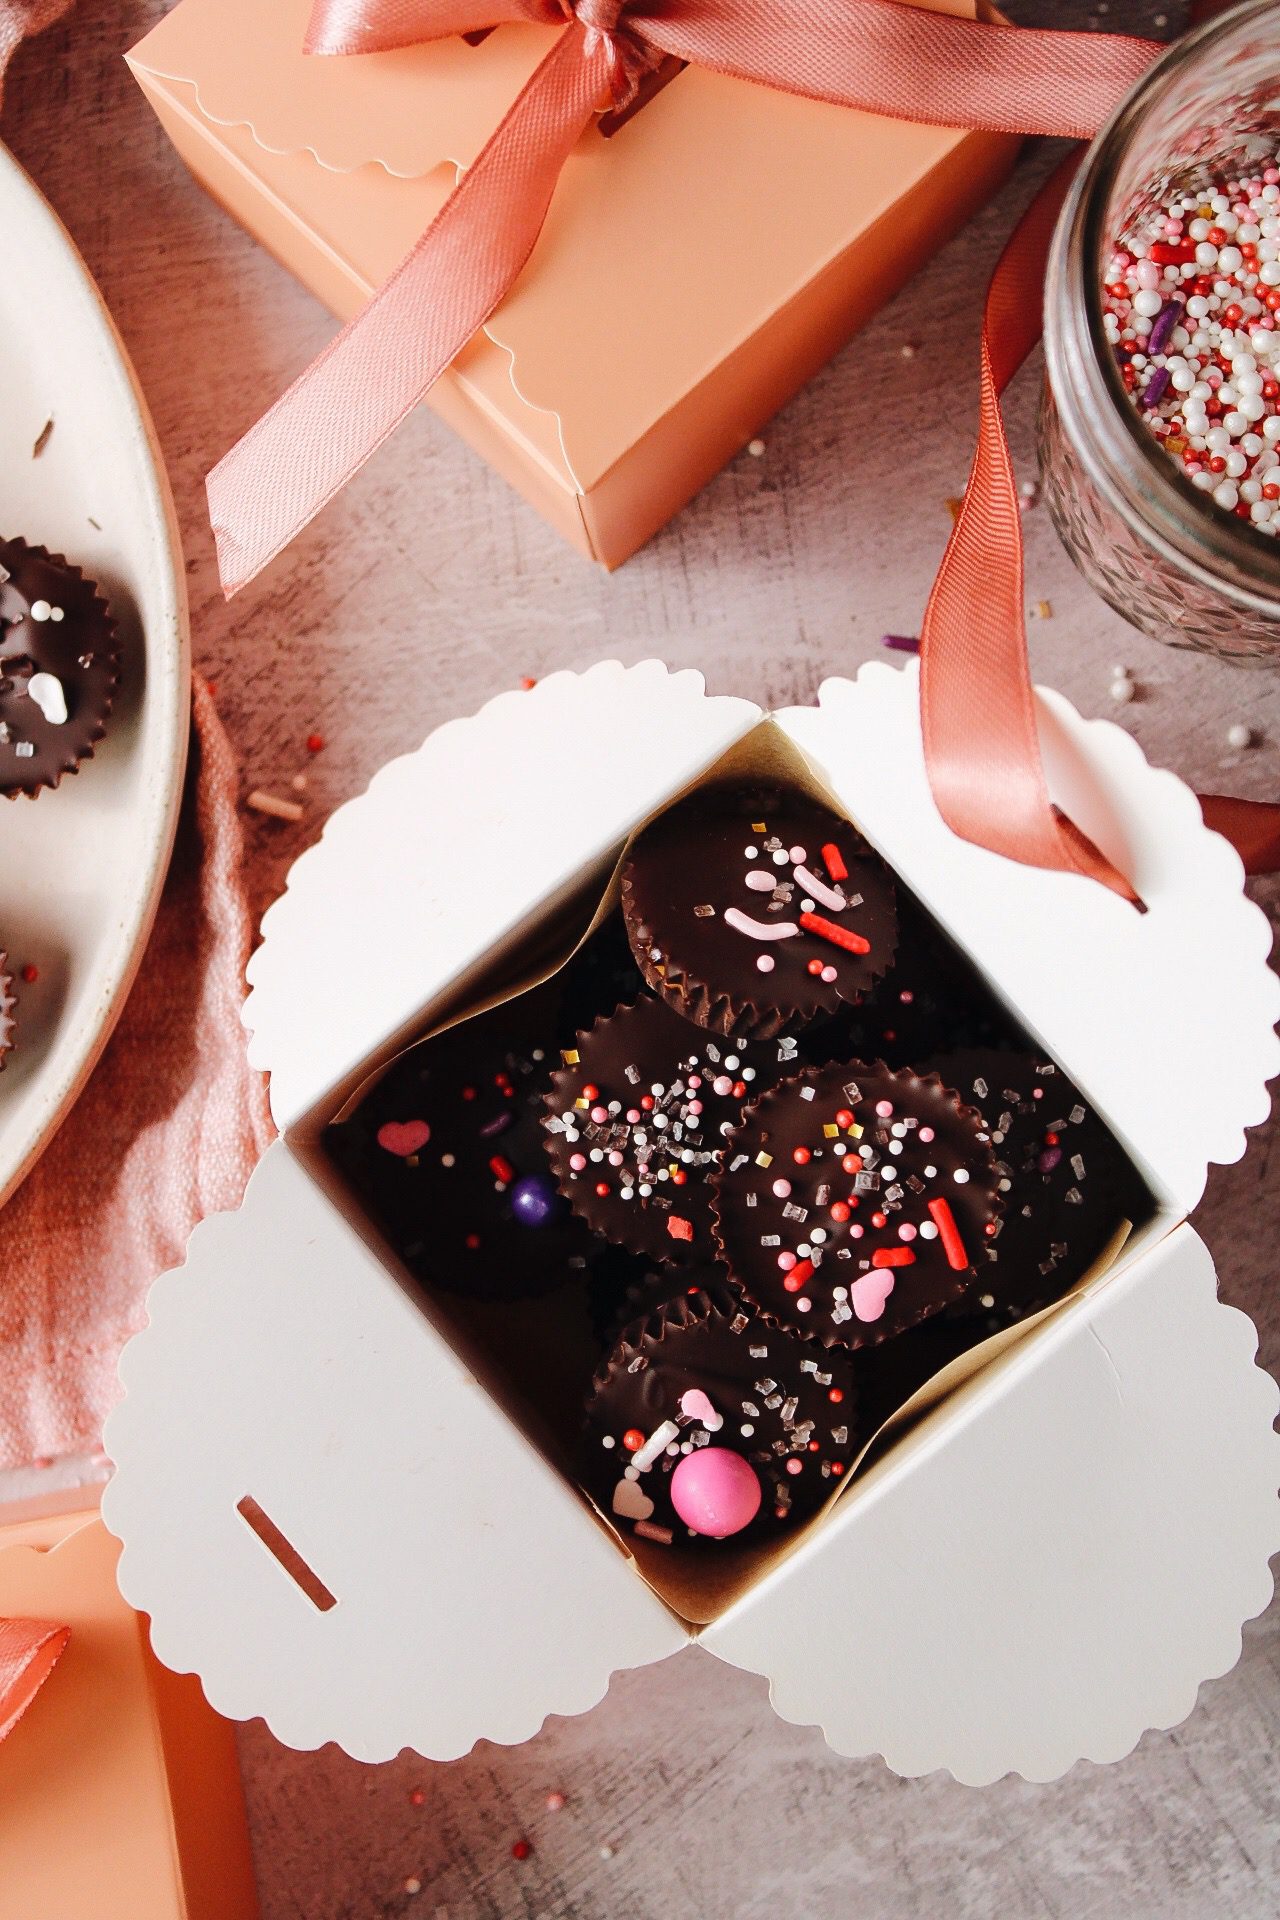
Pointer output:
949, 1234
522, 1849
894, 1257
678, 1227
833, 861
838, 936
315, 743
30, 972
802, 1271
502, 1169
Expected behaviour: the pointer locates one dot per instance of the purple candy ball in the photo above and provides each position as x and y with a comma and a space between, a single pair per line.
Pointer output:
534, 1199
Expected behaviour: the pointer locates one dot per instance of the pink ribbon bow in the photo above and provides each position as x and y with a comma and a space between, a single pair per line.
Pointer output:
29, 1651
878, 55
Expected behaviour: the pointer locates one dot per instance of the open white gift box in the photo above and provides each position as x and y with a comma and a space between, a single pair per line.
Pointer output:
1047, 1564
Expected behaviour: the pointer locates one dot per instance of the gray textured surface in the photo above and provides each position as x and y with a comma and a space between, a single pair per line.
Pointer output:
444, 588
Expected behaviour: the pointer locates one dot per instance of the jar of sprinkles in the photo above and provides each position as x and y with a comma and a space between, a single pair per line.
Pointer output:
1160, 427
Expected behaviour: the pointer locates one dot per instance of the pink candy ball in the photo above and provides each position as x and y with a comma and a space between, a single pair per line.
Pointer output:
715, 1492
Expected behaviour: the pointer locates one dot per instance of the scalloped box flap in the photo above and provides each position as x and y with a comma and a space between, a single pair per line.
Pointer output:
1164, 1017
984, 1598
668, 264
1052, 1562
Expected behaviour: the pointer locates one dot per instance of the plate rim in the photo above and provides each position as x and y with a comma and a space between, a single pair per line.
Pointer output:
169, 671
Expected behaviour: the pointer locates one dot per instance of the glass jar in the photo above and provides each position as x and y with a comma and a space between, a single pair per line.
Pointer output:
1158, 550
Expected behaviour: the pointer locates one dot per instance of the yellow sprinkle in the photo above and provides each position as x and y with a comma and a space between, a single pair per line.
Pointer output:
954, 505
854, 1132
1042, 610
1175, 444
764, 1159
582, 1105
832, 1133
759, 826
570, 1057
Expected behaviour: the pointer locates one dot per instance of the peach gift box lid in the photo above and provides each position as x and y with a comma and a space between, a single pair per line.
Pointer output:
667, 250
119, 1791
1005, 1564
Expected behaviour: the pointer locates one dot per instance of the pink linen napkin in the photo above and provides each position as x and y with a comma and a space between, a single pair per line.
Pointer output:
168, 1129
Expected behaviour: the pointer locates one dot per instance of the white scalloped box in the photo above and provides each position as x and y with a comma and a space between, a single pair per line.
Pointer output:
1050, 1563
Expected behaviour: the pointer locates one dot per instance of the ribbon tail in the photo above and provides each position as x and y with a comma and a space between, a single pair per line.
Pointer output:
900, 60
982, 746
358, 390
29, 1651
1252, 827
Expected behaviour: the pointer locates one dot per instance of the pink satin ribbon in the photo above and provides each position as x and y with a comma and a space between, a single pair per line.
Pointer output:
877, 55
977, 706
29, 1651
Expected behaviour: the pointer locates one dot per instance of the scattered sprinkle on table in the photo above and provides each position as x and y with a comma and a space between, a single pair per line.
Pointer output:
271, 803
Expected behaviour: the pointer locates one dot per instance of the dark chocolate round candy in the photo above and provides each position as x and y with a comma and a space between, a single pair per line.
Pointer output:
699, 1378
636, 1119
1067, 1181
757, 912
931, 1001
59, 667
854, 1201
446, 1153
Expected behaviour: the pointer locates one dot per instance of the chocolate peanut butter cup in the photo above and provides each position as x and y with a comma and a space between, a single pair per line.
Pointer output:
705, 1424
636, 1119
854, 1201
756, 912
1066, 1182
446, 1153
59, 667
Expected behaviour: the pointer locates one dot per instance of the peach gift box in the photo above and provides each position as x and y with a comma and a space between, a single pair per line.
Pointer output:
1047, 1563
119, 1792
696, 268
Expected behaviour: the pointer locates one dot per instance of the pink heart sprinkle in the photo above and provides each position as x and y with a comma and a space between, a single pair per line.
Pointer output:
867, 1296
404, 1137
696, 1404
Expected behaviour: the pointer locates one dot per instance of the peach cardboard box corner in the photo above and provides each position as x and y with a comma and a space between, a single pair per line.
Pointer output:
119, 1791
696, 268
1047, 1564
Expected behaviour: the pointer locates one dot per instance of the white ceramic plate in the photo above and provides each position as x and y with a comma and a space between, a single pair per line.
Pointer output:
81, 867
